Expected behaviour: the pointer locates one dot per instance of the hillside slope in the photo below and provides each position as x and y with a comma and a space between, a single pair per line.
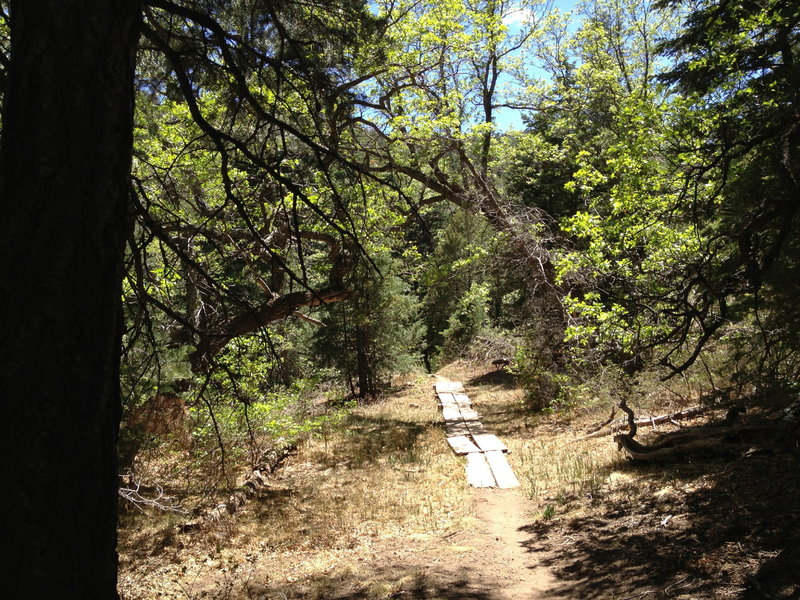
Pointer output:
379, 508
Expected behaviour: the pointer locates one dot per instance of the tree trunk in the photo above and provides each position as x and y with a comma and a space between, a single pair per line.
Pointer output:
65, 157
364, 371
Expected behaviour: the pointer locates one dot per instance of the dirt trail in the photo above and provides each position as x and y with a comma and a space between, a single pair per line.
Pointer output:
502, 561
362, 514
379, 509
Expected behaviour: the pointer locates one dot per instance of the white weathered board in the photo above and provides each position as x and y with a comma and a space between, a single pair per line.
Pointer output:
462, 400
487, 465
452, 387
461, 444
476, 428
488, 442
454, 428
501, 470
479, 474
451, 413
447, 399
468, 414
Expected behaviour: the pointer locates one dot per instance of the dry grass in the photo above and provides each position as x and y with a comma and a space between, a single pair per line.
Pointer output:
381, 480
377, 508
554, 470
386, 471
554, 467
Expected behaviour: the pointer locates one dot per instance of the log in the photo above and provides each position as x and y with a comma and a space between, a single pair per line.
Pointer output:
658, 453
256, 480
610, 427
713, 439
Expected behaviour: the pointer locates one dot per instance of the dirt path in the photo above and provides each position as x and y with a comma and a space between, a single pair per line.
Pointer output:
503, 561
378, 508
377, 511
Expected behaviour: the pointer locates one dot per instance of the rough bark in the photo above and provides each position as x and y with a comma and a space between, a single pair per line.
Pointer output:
65, 157
611, 426
255, 482
276, 309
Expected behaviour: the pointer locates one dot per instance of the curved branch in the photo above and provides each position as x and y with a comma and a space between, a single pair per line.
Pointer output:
250, 321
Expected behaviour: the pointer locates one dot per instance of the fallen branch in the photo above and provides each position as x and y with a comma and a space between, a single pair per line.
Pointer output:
133, 495
721, 441
724, 438
255, 481
625, 441
611, 426
597, 428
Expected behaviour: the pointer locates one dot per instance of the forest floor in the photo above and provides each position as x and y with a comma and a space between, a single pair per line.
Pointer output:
379, 508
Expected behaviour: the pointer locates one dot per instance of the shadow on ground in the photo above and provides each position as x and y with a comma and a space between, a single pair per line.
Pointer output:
369, 439
720, 528
382, 583
499, 378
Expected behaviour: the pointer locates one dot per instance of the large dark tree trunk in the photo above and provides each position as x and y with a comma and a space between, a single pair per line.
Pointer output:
65, 158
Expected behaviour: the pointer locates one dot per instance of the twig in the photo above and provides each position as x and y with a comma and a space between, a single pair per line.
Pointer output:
307, 318
132, 495
669, 587
606, 422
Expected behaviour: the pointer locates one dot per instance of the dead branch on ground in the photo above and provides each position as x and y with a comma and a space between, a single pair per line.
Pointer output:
723, 438
610, 426
256, 481
159, 501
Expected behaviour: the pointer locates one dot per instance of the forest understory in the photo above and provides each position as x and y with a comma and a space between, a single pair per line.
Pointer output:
215, 271
378, 507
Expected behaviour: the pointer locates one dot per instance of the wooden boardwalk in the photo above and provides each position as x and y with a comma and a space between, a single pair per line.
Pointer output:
487, 465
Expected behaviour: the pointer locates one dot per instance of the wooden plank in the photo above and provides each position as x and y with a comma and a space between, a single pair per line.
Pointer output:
462, 400
501, 470
446, 400
461, 444
449, 387
455, 428
488, 442
451, 413
478, 472
476, 427
469, 415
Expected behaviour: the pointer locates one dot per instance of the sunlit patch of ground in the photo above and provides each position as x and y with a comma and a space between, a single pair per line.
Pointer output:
380, 509
383, 485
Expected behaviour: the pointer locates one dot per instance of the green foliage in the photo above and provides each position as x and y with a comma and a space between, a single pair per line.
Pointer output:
594, 159
737, 66
376, 334
459, 260
468, 319
633, 242
278, 419
647, 206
